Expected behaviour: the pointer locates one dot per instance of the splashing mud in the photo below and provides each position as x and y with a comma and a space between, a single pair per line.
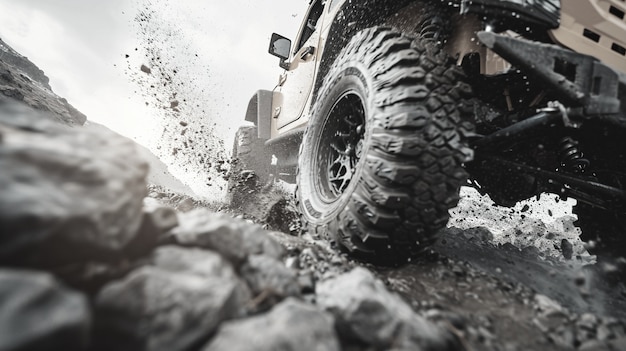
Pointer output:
173, 79
532, 223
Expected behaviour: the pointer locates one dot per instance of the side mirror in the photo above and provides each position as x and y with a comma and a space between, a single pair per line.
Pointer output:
280, 47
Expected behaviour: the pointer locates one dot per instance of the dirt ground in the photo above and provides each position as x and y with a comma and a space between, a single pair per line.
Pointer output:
543, 293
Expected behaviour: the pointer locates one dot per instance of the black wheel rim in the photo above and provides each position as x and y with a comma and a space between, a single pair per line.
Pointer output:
341, 146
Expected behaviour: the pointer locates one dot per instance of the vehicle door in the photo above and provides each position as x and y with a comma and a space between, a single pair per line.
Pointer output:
296, 83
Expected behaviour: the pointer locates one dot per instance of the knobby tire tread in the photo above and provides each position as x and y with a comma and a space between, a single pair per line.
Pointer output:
413, 166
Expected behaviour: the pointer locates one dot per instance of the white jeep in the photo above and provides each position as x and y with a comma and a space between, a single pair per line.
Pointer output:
387, 107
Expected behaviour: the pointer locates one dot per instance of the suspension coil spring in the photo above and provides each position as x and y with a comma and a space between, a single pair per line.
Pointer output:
571, 156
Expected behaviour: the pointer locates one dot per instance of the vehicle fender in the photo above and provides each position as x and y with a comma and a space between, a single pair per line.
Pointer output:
352, 17
259, 112
516, 13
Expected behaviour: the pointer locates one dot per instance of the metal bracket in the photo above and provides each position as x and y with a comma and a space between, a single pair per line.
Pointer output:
579, 80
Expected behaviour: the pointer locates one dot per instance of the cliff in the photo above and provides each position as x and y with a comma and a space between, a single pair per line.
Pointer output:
22, 80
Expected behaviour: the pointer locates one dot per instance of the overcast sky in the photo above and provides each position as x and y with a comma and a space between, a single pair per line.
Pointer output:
82, 46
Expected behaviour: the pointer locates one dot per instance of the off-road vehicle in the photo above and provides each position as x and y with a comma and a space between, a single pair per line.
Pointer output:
387, 107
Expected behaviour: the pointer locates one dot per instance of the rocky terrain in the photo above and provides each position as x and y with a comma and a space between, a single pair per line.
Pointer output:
93, 257
21, 80
87, 264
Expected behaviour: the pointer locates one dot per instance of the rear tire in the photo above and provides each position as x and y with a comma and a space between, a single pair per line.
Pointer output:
250, 166
381, 160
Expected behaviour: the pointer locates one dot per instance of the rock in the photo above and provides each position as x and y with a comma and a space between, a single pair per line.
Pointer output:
37, 313
75, 115
172, 305
290, 326
618, 344
550, 315
593, 345
283, 216
481, 234
567, 249
185, 205
587, 321
90, 277
546, 305
368, 313
234, 238
203, 263
287, 240
604, 333
164, 218
456, 320
12, 93
11, 57
269, 279
18, 84
156, 221
306, 282
68, 194
196, 261
564, 336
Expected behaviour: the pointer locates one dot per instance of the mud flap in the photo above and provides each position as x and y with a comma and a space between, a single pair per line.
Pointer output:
259, 112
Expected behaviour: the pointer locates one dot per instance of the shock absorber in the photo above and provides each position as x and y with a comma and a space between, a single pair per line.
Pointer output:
571, 156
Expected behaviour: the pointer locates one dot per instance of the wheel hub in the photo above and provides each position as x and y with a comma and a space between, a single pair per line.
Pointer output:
341, 145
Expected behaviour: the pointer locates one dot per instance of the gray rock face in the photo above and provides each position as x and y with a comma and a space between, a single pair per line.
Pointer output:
172, 305
22, 80
75, 190
13, 58
204, 264
368, 313
269, 277
290, 326
156, 221
16, 85
36, 313
163, 218
233, 238
192, 261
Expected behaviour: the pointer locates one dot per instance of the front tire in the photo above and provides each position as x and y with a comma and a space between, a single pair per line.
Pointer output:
381, 161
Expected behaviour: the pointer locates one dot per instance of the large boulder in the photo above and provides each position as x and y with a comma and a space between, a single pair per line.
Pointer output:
67, 193
290, 326
203, 263
269, 279
173, 304
156, 221
37, 313
234, 238
264, 273
367, 313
